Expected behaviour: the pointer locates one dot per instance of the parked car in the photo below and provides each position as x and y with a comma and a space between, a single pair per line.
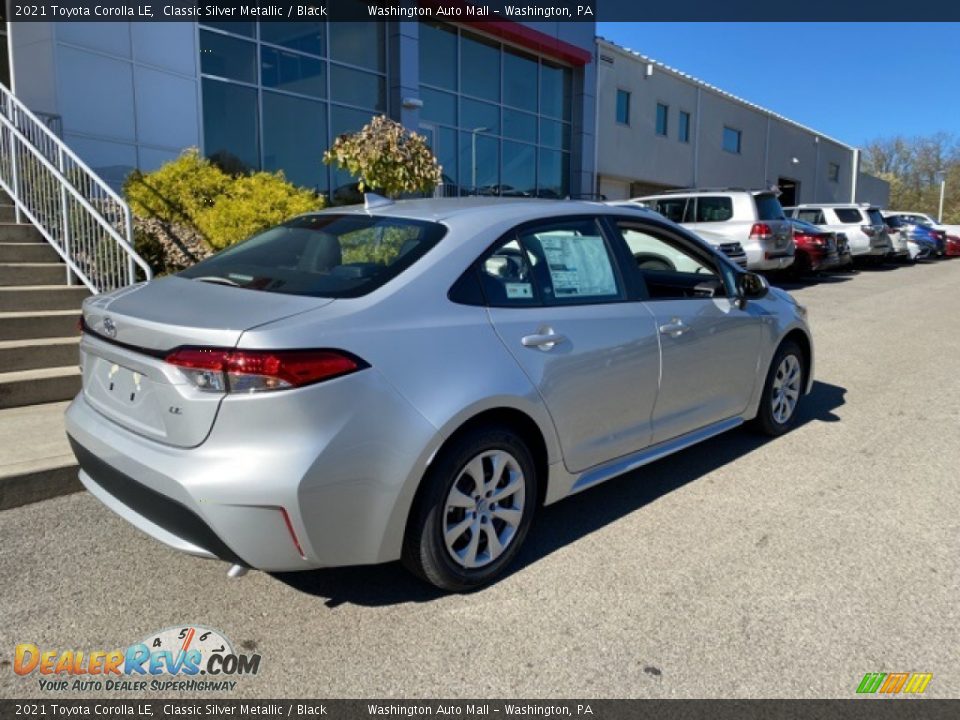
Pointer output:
918, 218
952, 246
816, 248
411, 380
861, 223
924, 242
844, 257
753, 218
732, 249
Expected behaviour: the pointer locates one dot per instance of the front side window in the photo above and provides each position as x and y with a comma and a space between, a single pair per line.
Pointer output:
848, 216
553, 264
322, 255
670, 269
676, 209
732, 140
662, 116
623, 107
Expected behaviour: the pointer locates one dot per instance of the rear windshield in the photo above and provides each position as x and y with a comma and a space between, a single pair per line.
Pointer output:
332, 256
848, 215
768, 207
875, 217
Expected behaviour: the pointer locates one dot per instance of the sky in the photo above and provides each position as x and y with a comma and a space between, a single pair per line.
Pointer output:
855, 82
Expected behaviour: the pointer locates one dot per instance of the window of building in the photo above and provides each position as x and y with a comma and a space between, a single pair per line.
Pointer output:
623, 107
732, 140
275, 95
498, 119
683, 131
833, 172
663, 112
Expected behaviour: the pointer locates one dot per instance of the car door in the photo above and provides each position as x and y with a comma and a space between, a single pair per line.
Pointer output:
709, 345
558, 301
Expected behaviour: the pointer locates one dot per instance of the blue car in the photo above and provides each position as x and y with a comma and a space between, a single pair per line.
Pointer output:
928, 243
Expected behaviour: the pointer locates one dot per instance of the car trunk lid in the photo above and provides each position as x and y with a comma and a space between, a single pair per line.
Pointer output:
131, 331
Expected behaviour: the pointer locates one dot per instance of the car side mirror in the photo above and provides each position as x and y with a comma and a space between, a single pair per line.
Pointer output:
751, 286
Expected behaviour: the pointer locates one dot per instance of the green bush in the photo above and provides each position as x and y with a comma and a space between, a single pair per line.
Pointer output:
253, 203
192, 193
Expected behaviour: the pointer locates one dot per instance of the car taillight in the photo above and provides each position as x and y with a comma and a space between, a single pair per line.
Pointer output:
868, 230
247, 371
760, 230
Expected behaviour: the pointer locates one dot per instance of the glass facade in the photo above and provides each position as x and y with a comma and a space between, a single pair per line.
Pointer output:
276, 94
499, 119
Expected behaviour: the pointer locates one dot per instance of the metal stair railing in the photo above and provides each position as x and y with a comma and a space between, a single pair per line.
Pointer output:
76, 211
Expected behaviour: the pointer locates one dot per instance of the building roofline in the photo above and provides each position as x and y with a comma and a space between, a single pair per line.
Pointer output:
719, 91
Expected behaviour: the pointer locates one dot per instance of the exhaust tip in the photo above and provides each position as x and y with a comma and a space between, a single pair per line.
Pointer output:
237, 571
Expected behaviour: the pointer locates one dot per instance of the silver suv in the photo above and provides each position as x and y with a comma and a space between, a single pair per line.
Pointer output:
752, 218
861, 222
413, 380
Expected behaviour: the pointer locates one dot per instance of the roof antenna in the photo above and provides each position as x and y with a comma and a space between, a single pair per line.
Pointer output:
372, 201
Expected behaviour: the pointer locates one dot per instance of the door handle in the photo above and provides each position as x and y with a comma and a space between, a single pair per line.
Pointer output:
675, 328
545, 339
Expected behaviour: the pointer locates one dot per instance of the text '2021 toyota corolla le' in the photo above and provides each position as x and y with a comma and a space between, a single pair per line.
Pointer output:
412, 380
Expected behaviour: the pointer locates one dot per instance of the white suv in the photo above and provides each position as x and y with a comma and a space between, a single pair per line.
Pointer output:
752, 218
861, 222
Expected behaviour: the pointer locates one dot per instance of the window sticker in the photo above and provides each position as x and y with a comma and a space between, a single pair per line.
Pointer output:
579, 266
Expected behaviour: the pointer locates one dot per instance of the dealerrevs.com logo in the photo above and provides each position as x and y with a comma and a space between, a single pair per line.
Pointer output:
191, 658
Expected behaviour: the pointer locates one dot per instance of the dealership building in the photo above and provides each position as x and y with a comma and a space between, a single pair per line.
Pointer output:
540, 108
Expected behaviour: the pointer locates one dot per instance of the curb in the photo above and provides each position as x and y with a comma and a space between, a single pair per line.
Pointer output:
38, 485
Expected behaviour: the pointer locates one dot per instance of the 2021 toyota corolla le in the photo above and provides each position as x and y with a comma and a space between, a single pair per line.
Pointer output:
413, 379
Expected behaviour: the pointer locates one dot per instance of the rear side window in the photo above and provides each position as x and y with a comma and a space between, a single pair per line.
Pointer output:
812, 215
675, 209
714, 209
322, 255
848, 216
768, 207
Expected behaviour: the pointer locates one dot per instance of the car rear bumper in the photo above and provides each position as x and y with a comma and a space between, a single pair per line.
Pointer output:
325, 482
760, 258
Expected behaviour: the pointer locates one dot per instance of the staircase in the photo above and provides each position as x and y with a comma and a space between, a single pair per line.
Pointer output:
38, 364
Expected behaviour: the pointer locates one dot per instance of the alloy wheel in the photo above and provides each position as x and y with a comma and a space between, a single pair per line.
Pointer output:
786, 389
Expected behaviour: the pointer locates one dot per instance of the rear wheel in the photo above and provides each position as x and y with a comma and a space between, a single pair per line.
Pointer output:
782, 390
473, 511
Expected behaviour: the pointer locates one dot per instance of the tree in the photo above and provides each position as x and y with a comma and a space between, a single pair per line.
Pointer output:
912, 167
386, 157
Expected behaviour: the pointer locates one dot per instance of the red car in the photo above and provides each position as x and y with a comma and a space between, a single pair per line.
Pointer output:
816, 249
951, 248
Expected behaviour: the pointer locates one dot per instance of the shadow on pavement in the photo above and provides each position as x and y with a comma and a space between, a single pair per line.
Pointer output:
569, 520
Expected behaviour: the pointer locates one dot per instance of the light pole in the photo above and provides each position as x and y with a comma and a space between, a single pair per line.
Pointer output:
473, 156
942, 175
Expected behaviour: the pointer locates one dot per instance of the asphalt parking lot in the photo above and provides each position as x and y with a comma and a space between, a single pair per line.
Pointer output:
739, 568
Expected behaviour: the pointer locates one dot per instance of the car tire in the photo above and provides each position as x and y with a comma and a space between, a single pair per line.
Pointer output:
787, 375
442, 508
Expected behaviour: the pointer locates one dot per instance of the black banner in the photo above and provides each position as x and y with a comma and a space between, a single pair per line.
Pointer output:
859, 709
478, 11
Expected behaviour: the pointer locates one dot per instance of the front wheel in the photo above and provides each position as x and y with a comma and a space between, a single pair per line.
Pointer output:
473, 512
782, 390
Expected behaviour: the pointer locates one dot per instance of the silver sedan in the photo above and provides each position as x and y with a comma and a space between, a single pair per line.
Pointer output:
412, 380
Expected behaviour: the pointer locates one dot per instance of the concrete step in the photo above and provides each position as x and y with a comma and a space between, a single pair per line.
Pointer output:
13, 232
7, 213
39, 353
38, 324
27, 252
20, 274
33, 387
42, 297
35, 458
